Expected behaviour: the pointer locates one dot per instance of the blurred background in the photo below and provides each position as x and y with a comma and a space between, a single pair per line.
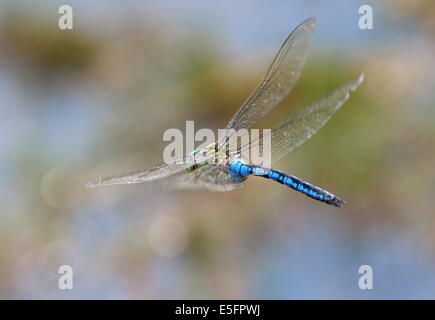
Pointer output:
94, 101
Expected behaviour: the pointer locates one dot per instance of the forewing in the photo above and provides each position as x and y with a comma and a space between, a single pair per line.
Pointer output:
161, 171
280, 78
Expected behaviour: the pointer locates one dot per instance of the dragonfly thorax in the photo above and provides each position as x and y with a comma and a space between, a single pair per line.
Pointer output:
211, 154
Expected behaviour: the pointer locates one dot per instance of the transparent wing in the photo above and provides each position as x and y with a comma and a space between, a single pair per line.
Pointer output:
158, 172
209, 177
161, 171
290, 134
281, 77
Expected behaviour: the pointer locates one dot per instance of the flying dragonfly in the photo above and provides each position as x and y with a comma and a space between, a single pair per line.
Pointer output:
211, 169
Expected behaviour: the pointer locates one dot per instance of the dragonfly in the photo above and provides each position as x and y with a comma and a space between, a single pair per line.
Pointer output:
215, 170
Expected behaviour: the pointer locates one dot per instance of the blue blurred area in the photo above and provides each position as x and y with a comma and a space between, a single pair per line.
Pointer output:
96, 100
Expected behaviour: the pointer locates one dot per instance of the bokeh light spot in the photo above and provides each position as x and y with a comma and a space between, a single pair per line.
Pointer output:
168, 237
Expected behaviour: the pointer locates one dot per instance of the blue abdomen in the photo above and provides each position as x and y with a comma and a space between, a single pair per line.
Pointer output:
297, 184
238, 167
302, 186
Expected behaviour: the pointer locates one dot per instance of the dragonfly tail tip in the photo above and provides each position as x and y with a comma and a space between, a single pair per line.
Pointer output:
338, 202
341, 202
